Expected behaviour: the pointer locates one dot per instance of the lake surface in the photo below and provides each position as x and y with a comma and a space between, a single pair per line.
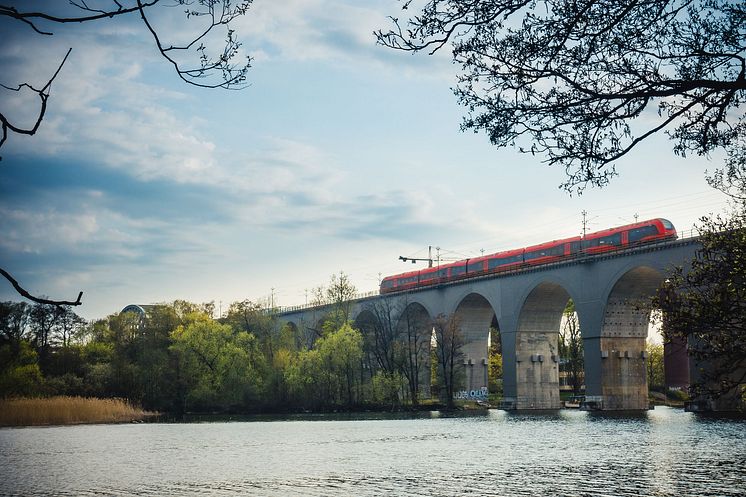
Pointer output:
663, 452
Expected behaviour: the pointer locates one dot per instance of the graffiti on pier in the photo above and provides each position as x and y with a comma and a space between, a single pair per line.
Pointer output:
476, 394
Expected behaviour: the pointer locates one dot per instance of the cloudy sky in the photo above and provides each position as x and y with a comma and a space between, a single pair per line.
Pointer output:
340, 155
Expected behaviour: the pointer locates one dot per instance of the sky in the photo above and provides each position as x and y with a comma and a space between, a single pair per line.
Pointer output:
339, 155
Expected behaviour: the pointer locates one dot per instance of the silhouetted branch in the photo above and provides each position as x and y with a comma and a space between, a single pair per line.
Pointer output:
38, 300
43, 94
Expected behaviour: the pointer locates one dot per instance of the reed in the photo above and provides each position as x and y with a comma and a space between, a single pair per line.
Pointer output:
67, 411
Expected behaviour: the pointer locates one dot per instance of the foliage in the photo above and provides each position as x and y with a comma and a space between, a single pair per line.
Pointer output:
583, 82
655, 370
387, 388
19, 371
495, 375
328, 375
705, 305
218, 367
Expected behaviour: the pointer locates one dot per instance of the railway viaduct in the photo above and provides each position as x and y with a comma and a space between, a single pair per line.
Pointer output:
528, 305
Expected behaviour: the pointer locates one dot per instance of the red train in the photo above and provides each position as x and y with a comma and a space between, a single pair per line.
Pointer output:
593, 243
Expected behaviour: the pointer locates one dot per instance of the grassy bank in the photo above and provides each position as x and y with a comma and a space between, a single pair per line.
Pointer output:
67, 411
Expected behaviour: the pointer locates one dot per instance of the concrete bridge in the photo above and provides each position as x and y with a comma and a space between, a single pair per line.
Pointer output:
528, 306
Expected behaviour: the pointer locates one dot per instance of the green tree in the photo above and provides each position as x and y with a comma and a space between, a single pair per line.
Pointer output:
19, 370
387, 387
327, 375
219, 367
656, 376
582, 83
495, 372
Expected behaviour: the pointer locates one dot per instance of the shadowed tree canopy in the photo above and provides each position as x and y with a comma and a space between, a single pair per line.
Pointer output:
190, 50
582, 82
706, 306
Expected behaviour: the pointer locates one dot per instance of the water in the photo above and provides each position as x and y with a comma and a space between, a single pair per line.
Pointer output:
664, 452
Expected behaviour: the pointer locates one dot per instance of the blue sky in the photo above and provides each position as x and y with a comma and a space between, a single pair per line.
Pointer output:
340, 155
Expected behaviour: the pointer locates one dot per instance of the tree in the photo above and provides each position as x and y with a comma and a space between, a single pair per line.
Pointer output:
656, 376
414, 352
705, 305
14, 318
221, 68
495, 373
221, 368
449, 342
337, 302
325, 376
571, 348
339, 294
582, 83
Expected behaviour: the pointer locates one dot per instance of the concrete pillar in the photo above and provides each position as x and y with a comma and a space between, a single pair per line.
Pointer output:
475, 365
508, 339
536, 351
474, 316
537, 370
624, 383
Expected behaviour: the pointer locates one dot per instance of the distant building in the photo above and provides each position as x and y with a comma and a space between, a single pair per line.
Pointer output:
142, 309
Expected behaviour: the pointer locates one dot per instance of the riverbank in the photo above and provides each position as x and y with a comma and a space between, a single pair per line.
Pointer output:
68, 411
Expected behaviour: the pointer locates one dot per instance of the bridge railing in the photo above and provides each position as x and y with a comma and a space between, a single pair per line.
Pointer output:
301, 307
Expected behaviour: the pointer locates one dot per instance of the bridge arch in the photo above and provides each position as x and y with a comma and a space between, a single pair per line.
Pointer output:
475, 314
536, 346
414, 331
624, 332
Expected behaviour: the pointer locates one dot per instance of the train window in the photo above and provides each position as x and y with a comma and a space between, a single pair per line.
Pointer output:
501, 261
476, 267
615, 239
638, 234
387, 284
667, 224
604, 241
456, 270
406, 281
442, 273
574, 247
551, 251
533, 255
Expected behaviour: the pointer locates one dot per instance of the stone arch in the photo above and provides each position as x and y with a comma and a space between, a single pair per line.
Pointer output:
299, 341
414, 331
367, 323
474, 315
623, 335
536, 349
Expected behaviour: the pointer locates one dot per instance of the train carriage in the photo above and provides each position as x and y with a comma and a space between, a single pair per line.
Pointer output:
611, 239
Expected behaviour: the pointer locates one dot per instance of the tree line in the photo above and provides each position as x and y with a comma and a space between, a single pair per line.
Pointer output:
177, 358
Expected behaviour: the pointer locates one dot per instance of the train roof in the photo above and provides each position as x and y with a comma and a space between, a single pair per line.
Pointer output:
508, 253
625, 227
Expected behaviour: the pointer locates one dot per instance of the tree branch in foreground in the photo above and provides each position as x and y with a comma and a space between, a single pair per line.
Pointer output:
38, 300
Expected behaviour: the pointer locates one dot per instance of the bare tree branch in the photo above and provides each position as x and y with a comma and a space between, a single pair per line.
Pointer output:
38, 300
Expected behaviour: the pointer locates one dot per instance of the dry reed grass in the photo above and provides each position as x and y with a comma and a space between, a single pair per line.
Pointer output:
67, 411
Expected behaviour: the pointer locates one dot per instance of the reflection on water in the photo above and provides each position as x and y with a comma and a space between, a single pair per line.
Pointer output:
664, 452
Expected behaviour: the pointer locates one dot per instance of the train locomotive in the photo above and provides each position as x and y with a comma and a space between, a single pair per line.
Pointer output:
630, 235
